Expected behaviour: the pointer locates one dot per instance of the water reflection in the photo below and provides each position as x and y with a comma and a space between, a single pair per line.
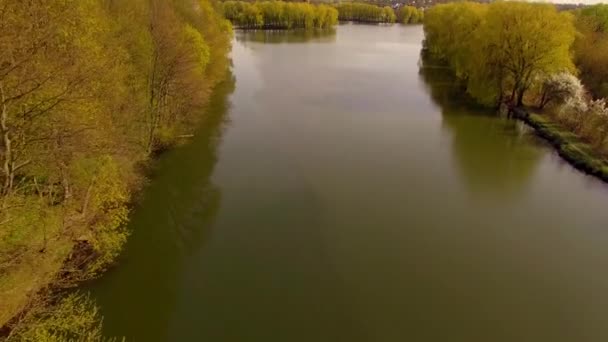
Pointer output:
495, 157
284, 36
345, 215
179, 203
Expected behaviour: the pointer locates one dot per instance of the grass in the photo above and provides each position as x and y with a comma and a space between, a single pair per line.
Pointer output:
38, 259
569, 146
29, 230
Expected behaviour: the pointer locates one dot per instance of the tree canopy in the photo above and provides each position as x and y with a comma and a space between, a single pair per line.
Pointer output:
364, 12
280, 15
410, 15
591, 48
501, 49
89, 89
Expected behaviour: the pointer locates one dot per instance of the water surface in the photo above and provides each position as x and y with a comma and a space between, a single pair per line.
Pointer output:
345, 192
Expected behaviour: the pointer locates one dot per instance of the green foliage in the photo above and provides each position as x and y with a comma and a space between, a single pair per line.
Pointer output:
89, 89
364, 12
73, 318
280, 15
27, 228
598, 15
591, 48
197, 48
449, 30
502, 49
409, 15
515, 51
104, 206
388, 15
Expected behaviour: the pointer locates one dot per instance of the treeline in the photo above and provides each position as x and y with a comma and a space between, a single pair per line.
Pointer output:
520, 54
89, 89
362, 12
591, 48
288, 15
280, 15
409, 15
503, 49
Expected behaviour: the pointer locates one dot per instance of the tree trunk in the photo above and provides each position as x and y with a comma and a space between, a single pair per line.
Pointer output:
87, 198
543, 100
7, 166
520, 97
65, 182
152, 102
513, 94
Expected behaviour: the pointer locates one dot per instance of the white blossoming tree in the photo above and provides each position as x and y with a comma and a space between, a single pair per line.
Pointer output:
561, 88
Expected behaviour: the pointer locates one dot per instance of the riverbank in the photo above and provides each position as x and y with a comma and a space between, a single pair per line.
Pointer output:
568, 145
53, 310
72, 170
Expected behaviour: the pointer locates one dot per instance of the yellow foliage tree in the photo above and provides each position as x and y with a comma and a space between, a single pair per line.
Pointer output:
501, 49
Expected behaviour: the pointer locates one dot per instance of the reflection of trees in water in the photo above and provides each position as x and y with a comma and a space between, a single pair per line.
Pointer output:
177, 209
285, 36
491, 152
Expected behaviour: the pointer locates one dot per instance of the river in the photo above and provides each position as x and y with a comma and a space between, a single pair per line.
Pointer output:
339, 190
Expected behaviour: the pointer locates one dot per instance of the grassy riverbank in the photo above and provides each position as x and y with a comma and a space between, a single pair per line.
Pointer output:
518, 54
569, 146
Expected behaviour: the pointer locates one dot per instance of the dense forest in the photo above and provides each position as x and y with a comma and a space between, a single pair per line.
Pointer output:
280, 15
89, 90
520, 53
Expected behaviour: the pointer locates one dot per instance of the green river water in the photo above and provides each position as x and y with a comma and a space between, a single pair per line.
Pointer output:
339, 190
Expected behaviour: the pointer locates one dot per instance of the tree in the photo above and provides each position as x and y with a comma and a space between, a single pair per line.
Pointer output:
500, 49
518, 42
280, 15
47, 76
88, 89
591, 48
410, 15
363, 12
559, 88
415, 16
388, 15
450, 31
404, 13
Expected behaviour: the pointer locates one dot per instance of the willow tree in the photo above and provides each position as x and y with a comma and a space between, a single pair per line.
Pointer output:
409, 15
388, 15
450, 31
515, 45
362, 12
280, 15
501, 49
